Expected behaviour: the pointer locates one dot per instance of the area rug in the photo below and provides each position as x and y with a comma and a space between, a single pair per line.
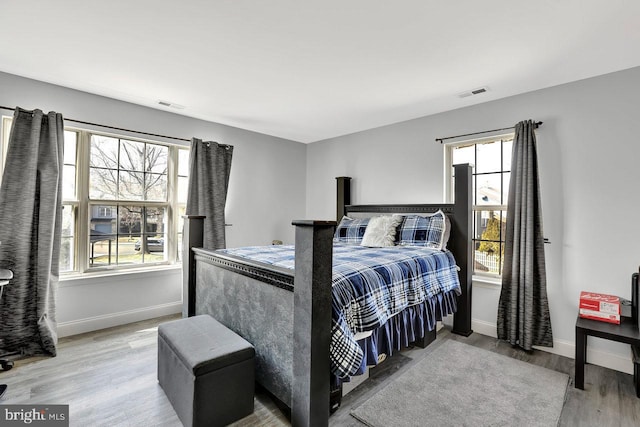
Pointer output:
461, 385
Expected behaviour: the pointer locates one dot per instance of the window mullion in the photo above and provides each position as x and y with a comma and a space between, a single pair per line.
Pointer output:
172, 199
82, 189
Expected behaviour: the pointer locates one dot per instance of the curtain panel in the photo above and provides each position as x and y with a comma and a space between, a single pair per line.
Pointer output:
209, 170
30, 227
523, 308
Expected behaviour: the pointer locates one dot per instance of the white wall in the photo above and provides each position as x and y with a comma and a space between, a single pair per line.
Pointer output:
266, 192
588, 154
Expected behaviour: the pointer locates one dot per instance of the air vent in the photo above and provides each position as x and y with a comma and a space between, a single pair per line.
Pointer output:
472, 92
170, 104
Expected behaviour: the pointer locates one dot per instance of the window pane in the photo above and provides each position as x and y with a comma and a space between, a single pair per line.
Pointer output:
155, 221
490, 227
103, 184
156, 158
507, 147
480, 218
156, 187
183, 185
130, 234
102, 235
183, 162
181, 212
70, 147
68, 221
463, 155
66, 254
104, 152
69, 182
506, 178
130, 220
130, 249
132, 155
67, 249
155, 251
488, 157
153, 243
489, 189
131, 185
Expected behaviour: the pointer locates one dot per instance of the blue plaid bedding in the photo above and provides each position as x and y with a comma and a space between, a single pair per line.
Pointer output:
369, 286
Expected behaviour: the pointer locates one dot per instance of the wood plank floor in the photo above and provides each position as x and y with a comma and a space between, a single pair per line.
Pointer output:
108, 378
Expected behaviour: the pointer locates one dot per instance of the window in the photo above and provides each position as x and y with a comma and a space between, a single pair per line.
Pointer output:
491, 158
122, 201
104, 212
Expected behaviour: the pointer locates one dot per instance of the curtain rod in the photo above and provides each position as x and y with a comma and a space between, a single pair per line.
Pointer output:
537, 124
122, 129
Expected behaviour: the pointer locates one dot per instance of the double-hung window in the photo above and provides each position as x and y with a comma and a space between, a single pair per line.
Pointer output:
123, 199
491, 160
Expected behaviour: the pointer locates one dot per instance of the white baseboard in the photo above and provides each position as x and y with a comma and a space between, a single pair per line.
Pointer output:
566, 349
90, 324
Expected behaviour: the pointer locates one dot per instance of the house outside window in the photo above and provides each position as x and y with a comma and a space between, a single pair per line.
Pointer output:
122, 198
491, 161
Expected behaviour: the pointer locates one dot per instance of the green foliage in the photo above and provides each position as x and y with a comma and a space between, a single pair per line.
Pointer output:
492, 232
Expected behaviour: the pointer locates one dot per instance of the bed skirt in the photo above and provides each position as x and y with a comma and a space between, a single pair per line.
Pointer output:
403, 329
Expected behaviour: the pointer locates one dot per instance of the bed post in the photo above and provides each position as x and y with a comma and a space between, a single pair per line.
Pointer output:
312, 323
463, 247
343, 195
191, 238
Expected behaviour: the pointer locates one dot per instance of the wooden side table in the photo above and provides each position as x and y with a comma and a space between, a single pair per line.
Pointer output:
626, 332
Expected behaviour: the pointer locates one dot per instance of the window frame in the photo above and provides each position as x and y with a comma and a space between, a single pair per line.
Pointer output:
493, 278
82, 203
171, 204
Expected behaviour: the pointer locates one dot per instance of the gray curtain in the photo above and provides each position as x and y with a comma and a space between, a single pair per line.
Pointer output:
210, 166
523, 309
30, 226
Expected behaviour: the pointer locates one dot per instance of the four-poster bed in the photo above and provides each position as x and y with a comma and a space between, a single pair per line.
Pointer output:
287, 314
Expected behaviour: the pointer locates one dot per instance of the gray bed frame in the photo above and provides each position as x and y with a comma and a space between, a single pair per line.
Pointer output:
287, 315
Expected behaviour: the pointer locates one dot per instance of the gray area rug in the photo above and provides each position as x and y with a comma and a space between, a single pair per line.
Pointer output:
461, 385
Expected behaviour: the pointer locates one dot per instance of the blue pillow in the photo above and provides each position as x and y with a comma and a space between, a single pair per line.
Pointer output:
350, 230
431, 231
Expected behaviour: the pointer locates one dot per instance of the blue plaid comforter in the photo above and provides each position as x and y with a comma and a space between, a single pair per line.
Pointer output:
370, 285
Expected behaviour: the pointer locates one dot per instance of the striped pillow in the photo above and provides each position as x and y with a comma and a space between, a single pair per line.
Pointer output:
350, 230
431, 231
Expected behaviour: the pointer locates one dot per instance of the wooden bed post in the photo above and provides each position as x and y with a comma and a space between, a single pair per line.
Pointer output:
463, 247
343, 195
312, 323
192, 237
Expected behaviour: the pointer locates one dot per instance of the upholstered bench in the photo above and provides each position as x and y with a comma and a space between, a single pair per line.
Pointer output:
206, 371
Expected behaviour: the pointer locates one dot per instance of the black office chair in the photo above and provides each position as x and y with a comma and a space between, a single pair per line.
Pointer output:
5, 364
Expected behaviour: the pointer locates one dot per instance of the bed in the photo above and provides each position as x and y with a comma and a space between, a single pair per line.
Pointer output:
289, 315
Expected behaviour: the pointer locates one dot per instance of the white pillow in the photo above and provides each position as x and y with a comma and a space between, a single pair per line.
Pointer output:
381, 231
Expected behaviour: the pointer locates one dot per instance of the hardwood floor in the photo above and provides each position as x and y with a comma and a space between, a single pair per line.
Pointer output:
108, 378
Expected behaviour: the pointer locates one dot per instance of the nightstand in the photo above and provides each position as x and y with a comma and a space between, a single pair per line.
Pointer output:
626, 332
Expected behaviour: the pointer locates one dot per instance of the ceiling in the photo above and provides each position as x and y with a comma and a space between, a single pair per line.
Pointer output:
311, 70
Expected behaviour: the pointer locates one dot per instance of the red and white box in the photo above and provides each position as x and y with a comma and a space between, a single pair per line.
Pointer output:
602, 307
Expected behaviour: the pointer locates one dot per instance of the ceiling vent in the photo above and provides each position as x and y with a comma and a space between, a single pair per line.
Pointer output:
171, 105
472, 92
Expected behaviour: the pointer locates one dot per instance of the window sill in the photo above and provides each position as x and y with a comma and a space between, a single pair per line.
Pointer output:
487, 282
93, 277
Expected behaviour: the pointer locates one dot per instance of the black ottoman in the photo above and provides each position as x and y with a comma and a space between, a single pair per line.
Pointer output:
206, 371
